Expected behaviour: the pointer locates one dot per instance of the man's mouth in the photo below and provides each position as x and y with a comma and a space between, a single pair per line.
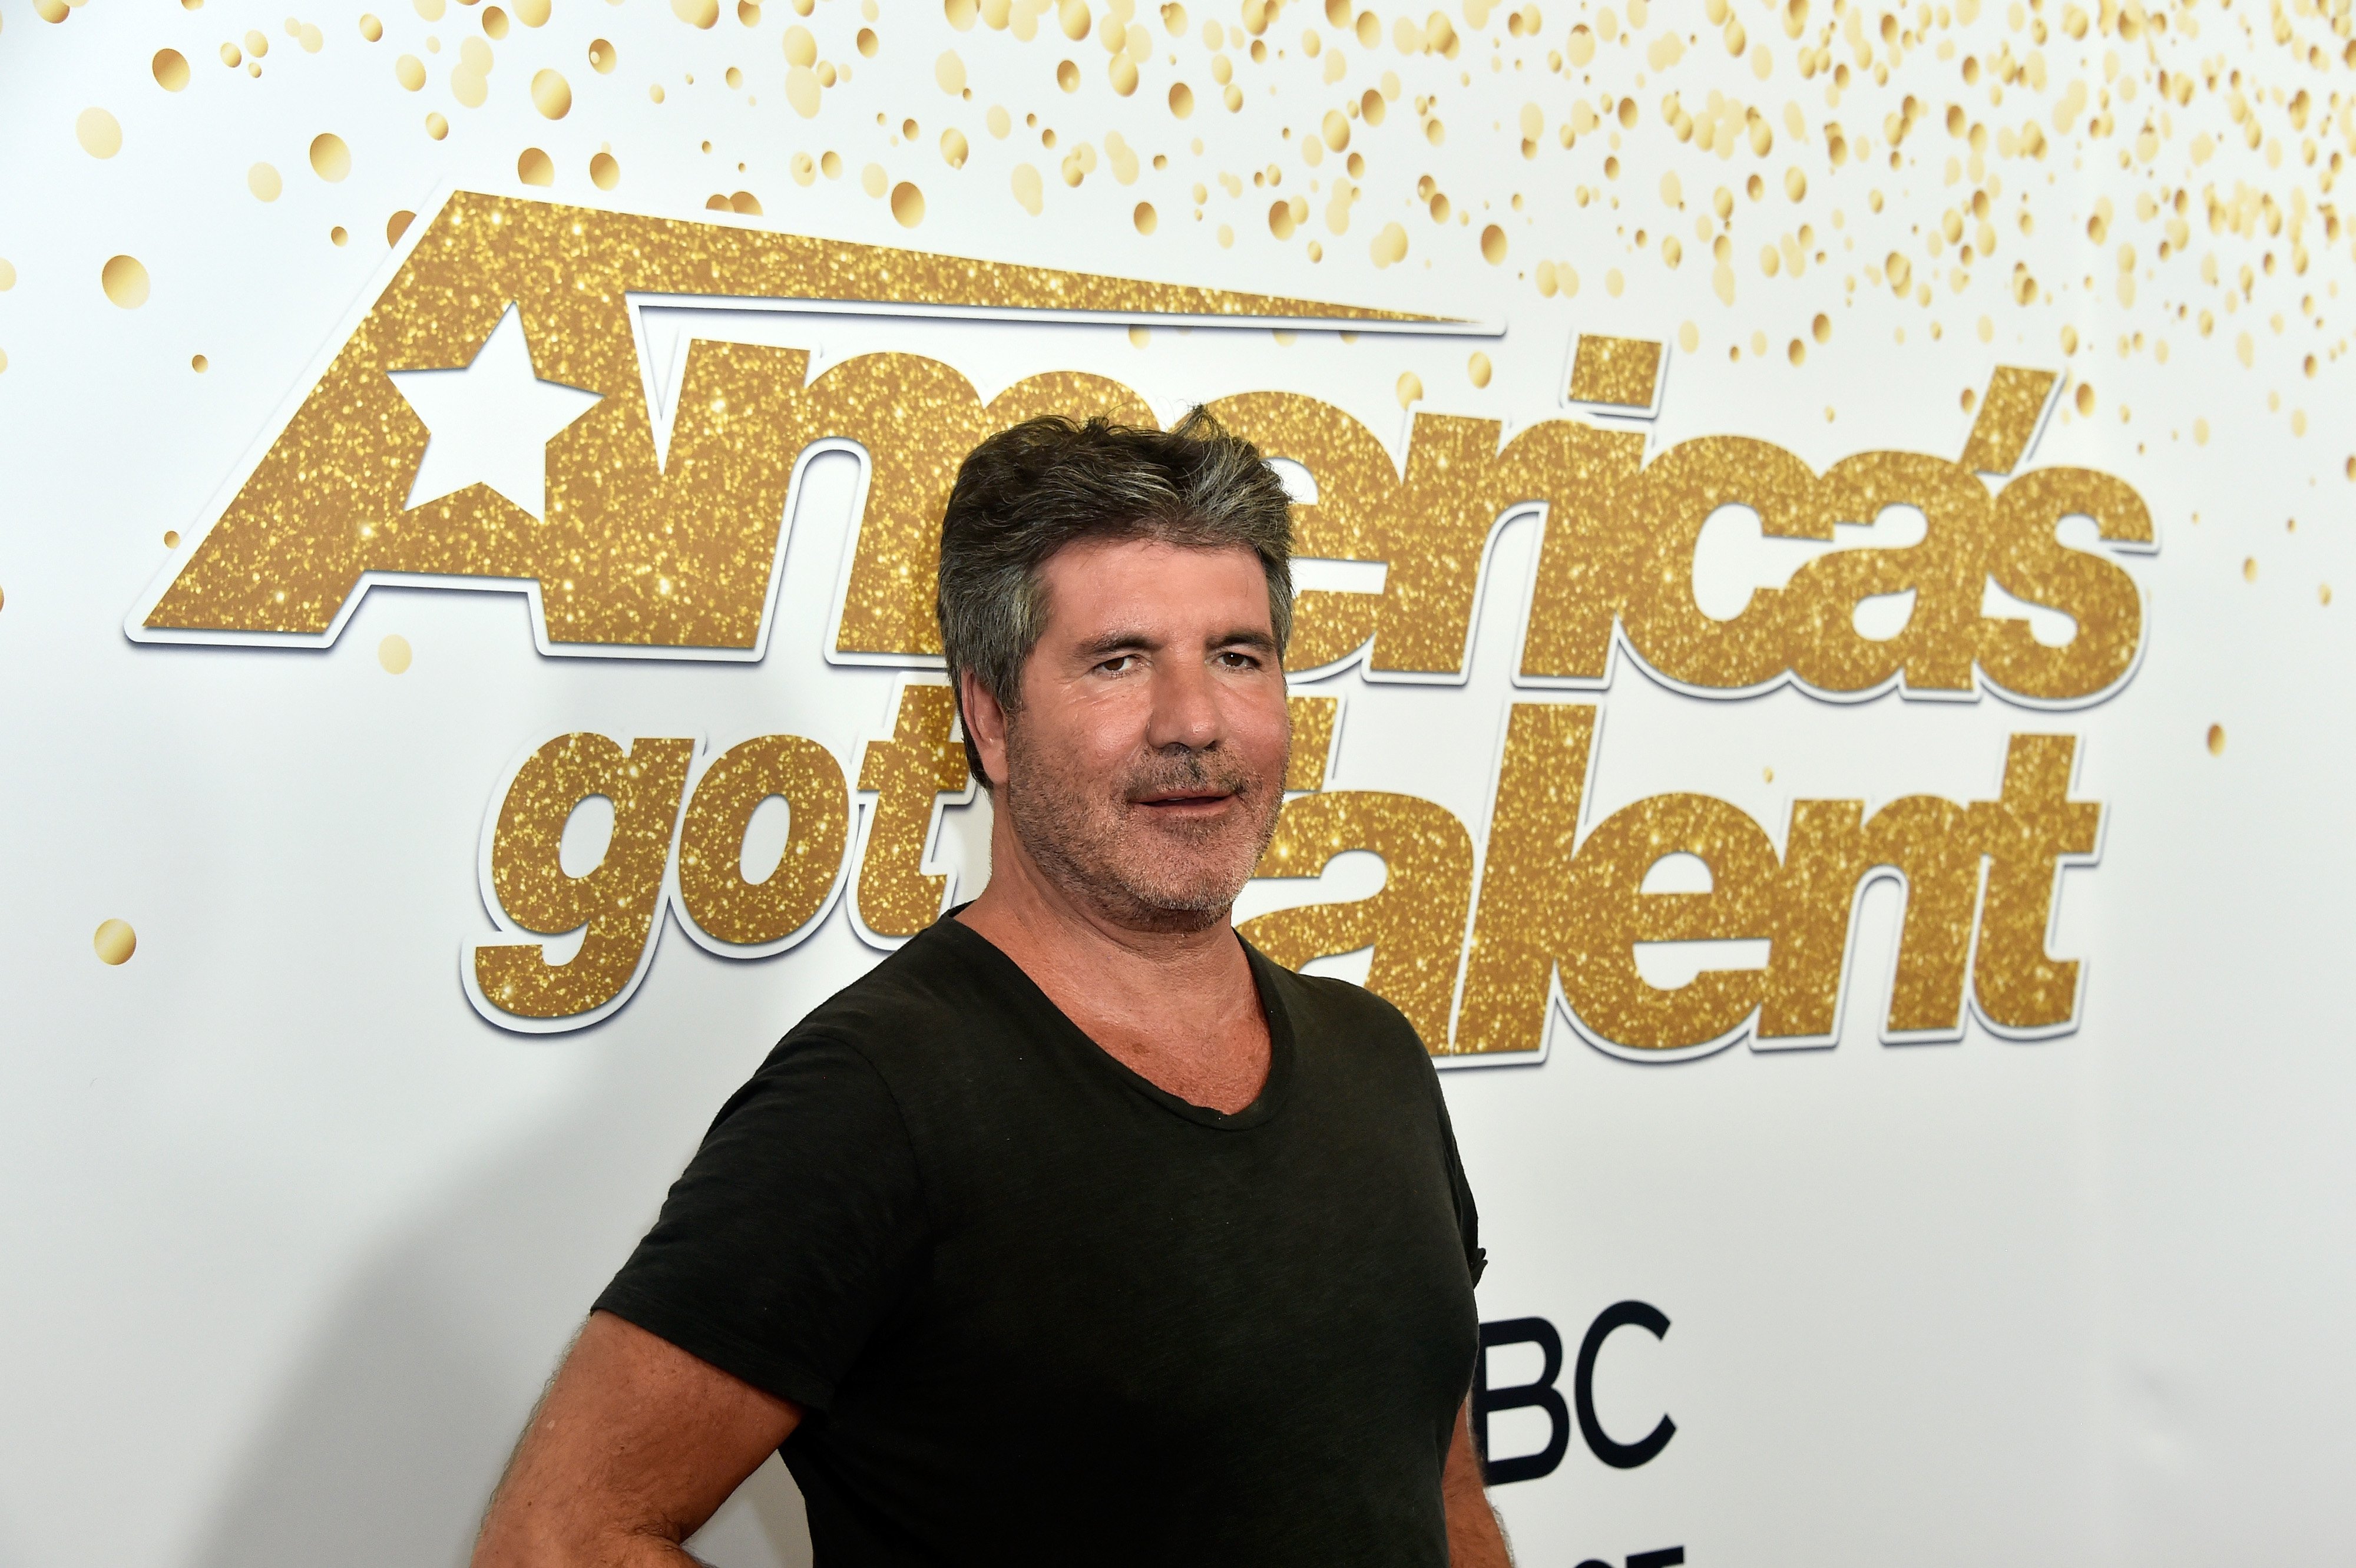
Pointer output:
1184, 803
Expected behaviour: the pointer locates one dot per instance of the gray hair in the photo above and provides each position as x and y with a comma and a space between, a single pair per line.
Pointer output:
1032, 488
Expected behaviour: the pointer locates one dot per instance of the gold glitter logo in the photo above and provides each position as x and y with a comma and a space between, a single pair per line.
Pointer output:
627, 547
674, 553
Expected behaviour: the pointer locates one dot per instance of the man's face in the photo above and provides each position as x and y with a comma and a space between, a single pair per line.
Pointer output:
1145, 767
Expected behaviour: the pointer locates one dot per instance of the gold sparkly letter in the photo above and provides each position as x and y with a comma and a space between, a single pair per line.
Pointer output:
1677, 495
908, 773
1944, 571
712, 840
1610, 913
1524, 923
1594, 553
1928, 843
1313, 741
617, 901
2027, 563
1415, 924
2028, 831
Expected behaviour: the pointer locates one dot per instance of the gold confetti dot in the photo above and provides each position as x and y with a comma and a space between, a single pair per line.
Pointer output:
1145, 217
393, 654
171, 538
602, 57
337, 235
370, 28
1769, 774
397, 225
2216, 740
830, 165
171, 68
495, 22
114, 941
605, 171
744, 203
949, 72
1410, 389
1822, 328
953, 147
1478, 369
867, 43
409, 72
1389, 245
1493, 244
125, 282
100, 133
2323, 593
2085, 397
330, 159
696, 13
229, 56
1068, 77
552, 95
535, 168
437, 127
532, 13
1028, 189
2249, 569
199, 364
263, 181
1796, 352
7, 275
1181, 100
1138, 337
257, 43
874, 180
961, 14
907, 205
2201, 433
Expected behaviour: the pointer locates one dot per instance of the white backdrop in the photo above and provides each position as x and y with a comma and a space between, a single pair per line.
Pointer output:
294, 1231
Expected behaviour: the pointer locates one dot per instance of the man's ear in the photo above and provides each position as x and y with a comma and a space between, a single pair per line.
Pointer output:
985, 726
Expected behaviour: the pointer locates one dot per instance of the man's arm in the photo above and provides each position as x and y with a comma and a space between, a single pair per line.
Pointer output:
635, 1445
1475, 1539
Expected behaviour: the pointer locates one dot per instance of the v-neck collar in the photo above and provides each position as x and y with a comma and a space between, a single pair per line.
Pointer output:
981, 951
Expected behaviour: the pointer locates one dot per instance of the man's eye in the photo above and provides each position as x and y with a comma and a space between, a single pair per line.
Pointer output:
1238, 661
1119, 665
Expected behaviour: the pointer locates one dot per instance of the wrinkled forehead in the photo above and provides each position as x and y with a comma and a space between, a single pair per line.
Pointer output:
1151, 586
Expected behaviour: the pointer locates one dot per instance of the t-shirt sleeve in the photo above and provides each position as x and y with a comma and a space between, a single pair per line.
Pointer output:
1468, 1217
795, 1229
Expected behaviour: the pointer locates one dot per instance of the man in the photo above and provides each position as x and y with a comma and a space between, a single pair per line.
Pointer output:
1076, 1232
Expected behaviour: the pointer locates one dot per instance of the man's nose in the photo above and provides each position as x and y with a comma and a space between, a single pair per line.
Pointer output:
1185, 708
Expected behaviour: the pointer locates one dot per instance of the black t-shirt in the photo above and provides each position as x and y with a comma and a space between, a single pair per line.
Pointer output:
1036, 1308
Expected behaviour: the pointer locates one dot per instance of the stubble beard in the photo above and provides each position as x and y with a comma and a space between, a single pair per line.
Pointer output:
1104, 853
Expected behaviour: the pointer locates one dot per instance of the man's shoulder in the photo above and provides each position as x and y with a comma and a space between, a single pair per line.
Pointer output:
926, 989
1322, 1008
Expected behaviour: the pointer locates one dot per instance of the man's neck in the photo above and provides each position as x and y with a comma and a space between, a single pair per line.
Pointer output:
1177, 1007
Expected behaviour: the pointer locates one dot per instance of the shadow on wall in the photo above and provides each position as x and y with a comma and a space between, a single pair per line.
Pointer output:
381, 1449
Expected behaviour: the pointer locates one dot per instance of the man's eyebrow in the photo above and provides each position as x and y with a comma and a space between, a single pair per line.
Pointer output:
1119, 640
1247, 636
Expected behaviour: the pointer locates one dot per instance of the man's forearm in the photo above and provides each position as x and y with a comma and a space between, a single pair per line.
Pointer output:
1475, 1538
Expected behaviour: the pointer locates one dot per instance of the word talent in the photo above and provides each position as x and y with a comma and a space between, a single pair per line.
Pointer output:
1550, 907
674, 548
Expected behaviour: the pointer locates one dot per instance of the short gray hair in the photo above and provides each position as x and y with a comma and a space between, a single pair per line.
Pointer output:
1032, 488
